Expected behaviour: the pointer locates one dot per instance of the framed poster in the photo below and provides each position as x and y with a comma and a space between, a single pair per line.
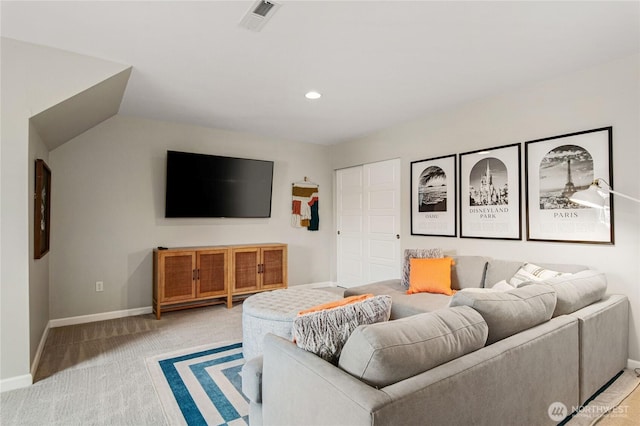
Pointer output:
42, 210
556, 168
490, 205
433, 196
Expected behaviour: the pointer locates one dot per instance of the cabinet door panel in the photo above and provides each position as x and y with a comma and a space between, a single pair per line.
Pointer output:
274, 269
178, 277
245, 269
212, 266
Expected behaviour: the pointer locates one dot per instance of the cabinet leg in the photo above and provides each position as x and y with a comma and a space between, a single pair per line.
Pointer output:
229, 301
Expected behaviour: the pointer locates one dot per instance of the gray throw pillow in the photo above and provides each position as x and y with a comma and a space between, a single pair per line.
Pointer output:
386, 353
325, 332
577, 290
416, 254
510, 312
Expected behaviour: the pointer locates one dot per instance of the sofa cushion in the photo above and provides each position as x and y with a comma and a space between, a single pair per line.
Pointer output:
417, 254
510, 312
325, 332
403, 304
468, 272
577, 290
430, 276
386, 353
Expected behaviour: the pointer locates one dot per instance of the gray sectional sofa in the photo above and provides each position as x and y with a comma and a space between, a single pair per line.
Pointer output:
479, 357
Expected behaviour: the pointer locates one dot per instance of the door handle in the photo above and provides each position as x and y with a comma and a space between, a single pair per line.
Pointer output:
338, 232
397, 236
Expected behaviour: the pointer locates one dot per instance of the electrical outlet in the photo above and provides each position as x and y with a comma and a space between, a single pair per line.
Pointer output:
99, 286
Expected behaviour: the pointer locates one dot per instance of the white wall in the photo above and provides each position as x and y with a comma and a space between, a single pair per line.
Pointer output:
34, 78
108, 210
38, 268
602, 96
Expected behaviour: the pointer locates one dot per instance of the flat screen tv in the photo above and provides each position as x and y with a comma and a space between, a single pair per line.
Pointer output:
200, 185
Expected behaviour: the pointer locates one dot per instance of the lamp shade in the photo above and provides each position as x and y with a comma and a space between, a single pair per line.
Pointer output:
590, 197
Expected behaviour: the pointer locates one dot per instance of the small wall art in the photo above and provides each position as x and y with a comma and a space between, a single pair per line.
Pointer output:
433, 196
42, 209
490, 205
556, 168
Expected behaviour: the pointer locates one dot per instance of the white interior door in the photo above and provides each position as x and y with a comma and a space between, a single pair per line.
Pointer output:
381, 237
368, 220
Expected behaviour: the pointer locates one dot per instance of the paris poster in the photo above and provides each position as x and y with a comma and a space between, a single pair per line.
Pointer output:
433, 196
490, 205
558, 167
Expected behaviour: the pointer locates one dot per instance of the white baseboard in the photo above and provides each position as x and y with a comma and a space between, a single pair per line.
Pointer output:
36, 359
316, 285
83, 319
632, 363
17, 382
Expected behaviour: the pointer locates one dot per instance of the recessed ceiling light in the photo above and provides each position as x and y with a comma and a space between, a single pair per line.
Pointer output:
312, 95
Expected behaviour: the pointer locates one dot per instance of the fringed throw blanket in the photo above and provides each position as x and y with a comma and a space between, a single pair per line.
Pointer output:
304, 209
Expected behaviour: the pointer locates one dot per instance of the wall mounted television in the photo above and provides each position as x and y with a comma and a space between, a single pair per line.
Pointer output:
200, 185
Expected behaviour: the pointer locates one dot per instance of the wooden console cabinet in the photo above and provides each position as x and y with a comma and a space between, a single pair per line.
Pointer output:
190, 277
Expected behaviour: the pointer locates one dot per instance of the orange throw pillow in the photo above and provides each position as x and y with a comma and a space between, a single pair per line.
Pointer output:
430, 276
337, 303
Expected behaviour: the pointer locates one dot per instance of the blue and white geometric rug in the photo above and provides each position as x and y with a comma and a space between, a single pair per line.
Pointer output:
201, 386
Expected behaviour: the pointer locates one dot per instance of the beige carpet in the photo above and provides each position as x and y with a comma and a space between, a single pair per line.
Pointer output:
616, 401
95, 374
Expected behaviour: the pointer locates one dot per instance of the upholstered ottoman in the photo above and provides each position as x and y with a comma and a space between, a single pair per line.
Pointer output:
274, 312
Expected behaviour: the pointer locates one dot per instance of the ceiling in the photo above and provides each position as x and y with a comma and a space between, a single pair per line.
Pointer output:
376, 63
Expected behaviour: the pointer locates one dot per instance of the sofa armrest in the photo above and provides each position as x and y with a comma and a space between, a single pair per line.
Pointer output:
252, 379
301, 388
604, 340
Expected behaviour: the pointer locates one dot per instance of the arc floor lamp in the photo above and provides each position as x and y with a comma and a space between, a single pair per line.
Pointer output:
595, 195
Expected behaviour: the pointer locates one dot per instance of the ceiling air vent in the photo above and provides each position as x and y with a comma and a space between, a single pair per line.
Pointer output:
258, 15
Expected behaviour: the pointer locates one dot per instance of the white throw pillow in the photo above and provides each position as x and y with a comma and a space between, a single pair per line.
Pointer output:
502, 286
499, 287
535, 273
478, 290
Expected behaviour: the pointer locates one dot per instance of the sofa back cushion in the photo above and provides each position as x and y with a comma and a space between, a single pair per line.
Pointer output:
498, 269
577, 290
468, 272
510, 312
385, 353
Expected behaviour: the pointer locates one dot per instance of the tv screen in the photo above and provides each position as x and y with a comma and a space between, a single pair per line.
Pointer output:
201, 185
